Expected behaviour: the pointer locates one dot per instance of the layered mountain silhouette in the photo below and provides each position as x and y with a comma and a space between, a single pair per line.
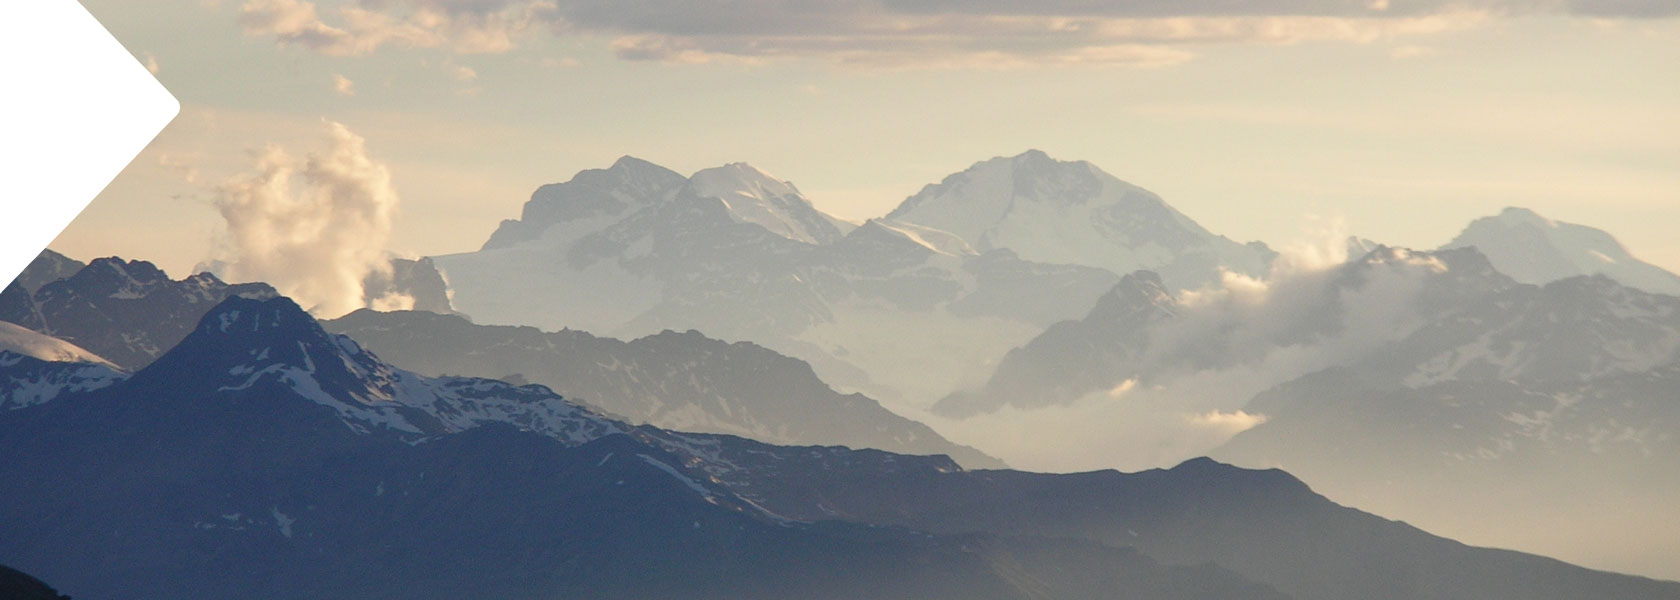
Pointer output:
263, 457
194, 438
1539, 416
48, 266
680, 380
127, 312
1428, 386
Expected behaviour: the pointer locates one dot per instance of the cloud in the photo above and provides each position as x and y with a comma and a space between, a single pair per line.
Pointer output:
1225, 344
465, 26
151, 63
1141, 432
898, 33
1405, 52
1330, 8
344, 86
186, 171
1227, 423
463, 73
987, 40
314, 227
1120, 390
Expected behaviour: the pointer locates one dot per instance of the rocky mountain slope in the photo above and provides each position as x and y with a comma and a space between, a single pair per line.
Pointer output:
681, 381
128, 312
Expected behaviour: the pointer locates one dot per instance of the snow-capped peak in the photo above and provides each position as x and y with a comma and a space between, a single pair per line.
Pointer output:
1516, 215
1138, 295
1534, 249
25, 342
738, 179
1071, 212
630, 184
246, 344
753, 196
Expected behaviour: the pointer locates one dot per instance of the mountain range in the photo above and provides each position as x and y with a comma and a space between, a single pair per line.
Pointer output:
1427, 386
265, 458
1514, 388
1140, 332
127, 312
1542, 417
684, 381
906, 307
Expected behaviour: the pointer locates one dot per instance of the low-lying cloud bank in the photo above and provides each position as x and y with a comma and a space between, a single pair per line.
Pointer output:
1222, 346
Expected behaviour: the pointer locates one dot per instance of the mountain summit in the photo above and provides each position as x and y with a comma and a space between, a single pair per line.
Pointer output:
1534, 249
629, 184
1062, 212
126, 311
753, 196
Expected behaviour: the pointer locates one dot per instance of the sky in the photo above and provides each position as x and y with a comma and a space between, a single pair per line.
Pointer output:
430, 121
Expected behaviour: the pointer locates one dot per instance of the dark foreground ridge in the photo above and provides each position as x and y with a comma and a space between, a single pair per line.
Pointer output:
265, 458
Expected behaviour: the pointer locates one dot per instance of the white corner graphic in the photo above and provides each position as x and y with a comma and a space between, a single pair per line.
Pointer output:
76, 109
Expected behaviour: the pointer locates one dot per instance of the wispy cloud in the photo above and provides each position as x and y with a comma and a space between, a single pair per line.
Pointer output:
899, 32
1405, 52
465, 26
343, 85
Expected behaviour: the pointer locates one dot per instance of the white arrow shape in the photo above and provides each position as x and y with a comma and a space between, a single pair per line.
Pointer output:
75, 108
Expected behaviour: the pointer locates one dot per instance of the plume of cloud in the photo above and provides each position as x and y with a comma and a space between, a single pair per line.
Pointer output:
314, 227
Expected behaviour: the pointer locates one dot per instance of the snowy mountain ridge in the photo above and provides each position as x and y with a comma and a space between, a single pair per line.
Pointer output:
367, 393
1534, 249
753, 196
1060, 212
25, 342
635, 249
